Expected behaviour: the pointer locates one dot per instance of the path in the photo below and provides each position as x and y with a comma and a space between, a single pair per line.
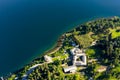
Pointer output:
31, 69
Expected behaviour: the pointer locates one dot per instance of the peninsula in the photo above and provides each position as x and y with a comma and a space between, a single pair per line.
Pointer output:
91, 51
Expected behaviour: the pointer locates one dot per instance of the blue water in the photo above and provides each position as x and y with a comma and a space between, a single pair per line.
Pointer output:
29, 27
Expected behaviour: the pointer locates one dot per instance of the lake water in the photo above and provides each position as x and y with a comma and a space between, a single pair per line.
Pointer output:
29, 27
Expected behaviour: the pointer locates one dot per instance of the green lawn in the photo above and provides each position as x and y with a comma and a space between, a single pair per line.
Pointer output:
12, 77
114, 32
116, 69
90, 53
61, 57
84, 40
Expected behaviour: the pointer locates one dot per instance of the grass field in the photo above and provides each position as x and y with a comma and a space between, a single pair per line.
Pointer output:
114, 32
84, 40
90, 52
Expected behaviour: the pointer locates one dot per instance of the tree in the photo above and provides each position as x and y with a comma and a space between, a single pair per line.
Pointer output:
57, 62
49, 75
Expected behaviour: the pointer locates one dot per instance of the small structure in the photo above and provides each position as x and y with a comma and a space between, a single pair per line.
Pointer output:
47, 58
71, 69
92, 60
102, 68
75, 51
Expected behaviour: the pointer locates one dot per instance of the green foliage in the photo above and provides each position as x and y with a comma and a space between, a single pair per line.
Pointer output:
90, 52
115, 33
12, 77
84, 40
57, 62
48, 71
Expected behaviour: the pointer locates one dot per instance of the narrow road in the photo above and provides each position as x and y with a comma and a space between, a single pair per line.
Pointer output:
31, 69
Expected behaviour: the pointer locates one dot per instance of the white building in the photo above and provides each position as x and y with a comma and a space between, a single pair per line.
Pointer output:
78, 54
71, 69
75, 51
47, 58
92, 60
79, 59
81, 62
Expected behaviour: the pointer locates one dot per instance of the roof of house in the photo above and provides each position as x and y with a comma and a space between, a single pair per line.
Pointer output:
47, 58
70, 68
75, 51
102, 68
82, 61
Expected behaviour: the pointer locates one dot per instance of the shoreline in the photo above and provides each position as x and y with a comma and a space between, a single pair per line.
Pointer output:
56, 46
26, 73
59, 41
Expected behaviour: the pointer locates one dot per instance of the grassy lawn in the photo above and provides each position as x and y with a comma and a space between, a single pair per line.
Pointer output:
76, 76
90, 52
116, 69
84, 40
93, 52
114, 32
12, 77
61, 57
68, 34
